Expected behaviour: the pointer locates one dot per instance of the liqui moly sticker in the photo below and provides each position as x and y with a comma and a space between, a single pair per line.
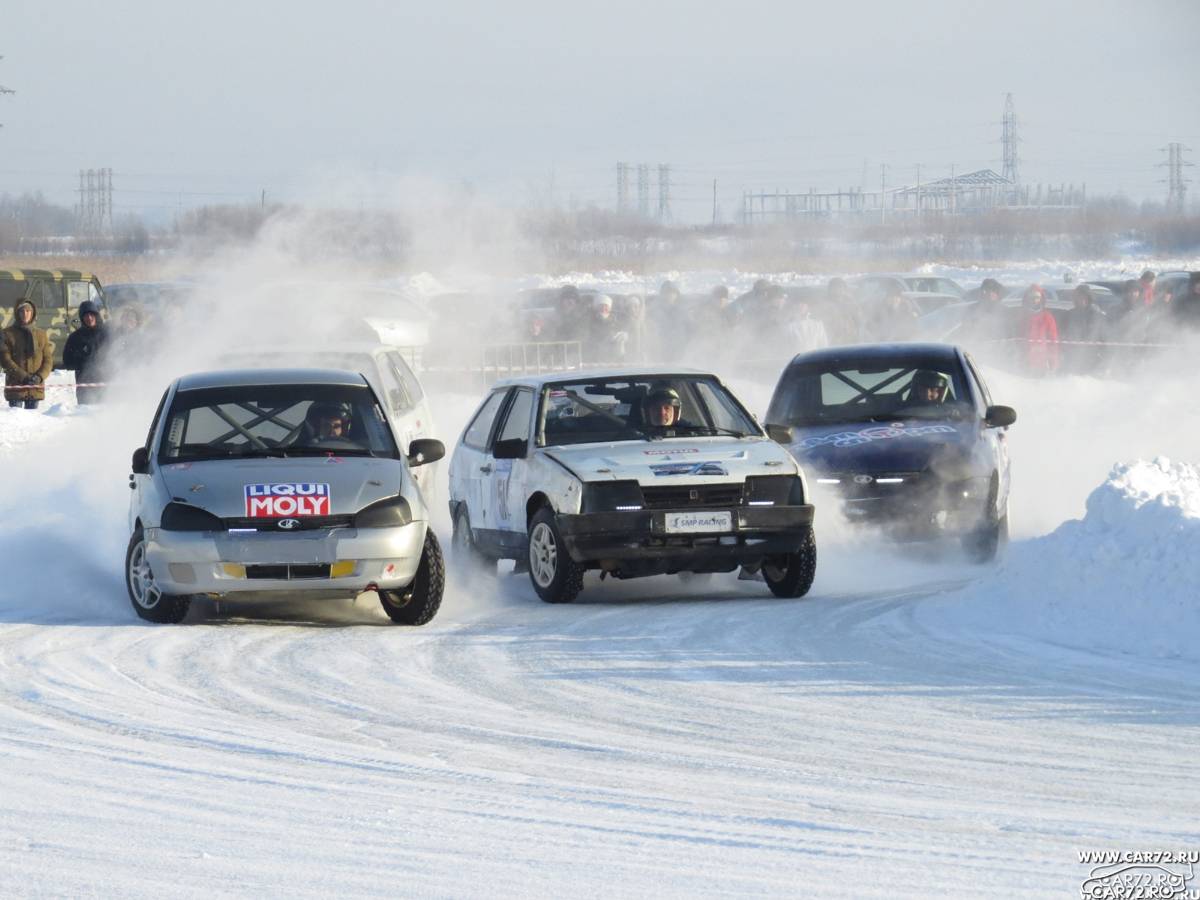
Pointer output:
294, 499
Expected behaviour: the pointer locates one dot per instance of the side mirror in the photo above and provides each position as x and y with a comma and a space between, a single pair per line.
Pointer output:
513, 448
781, 434
999, 416
425, 450
141, 461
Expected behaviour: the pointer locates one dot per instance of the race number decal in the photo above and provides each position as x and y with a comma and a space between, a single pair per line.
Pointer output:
273, 501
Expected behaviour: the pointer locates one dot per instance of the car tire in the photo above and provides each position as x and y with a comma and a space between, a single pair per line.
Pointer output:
791, 575
148, 601
984, 545
418, 603
466, 551
555, 576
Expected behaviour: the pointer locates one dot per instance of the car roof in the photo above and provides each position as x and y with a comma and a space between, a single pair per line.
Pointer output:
254, 377
544, 378
878, 352
54, 274
302, 349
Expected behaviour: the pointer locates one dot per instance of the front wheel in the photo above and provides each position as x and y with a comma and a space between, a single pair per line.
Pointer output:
984, 545
148, 600
791, 575
556, 577
419, 602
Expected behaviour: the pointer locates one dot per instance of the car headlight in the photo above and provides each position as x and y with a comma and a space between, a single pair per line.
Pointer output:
391, 512
181, 517
967, 489
774, 490
612, 496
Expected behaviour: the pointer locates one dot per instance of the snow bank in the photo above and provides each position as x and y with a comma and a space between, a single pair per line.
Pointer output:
1125, 577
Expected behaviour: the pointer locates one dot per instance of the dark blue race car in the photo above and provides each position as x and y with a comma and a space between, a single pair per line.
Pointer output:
901, 436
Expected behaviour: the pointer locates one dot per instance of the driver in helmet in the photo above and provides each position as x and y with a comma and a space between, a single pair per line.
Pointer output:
329, 420
660, 410
929, 387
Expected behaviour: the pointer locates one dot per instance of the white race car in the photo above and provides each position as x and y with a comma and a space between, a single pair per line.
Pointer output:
632, 472
274, 483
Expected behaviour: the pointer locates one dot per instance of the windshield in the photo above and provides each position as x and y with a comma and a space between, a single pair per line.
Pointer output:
847, 390
248, 421
638, 408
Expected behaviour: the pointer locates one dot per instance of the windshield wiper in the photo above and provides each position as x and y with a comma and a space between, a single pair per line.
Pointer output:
716, 429
264, 452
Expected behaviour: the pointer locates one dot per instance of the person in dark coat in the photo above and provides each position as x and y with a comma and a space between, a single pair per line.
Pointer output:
988, 319
1186, 306
84, 353
896, 319
1084, 328
27, 357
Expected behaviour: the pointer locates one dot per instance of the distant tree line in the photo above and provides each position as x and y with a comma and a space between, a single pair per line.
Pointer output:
593, 237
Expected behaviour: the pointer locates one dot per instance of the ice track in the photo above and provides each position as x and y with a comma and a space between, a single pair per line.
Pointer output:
641, 741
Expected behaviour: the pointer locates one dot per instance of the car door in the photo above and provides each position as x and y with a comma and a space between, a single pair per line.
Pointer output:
141, 483
996, 439
510, 476
471, 469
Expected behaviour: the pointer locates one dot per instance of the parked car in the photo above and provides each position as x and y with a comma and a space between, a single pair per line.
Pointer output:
56, 295
566, 473
881, 443
385, 368
278, 483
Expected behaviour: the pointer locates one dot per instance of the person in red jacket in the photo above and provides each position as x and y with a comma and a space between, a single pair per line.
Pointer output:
1041, 333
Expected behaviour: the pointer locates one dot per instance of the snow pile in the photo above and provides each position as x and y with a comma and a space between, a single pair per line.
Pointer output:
1126, 577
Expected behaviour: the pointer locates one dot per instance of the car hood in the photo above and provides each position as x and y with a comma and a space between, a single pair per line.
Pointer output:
220, 486
675, 460
874, 448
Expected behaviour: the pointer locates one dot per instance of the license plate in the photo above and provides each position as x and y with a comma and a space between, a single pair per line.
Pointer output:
698, 522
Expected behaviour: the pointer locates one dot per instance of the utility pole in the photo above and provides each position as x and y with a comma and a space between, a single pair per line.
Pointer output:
1176, 183
1008, 137
4, 90
883, 193
664, 192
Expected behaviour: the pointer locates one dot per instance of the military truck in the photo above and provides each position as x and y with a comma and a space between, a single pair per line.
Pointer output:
56, 293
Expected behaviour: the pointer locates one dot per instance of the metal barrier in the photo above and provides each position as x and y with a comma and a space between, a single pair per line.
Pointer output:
509, 360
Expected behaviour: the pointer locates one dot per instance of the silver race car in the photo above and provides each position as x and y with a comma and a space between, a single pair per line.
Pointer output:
271, 483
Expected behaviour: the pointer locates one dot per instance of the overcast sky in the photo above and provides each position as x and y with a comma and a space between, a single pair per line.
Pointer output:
212, 102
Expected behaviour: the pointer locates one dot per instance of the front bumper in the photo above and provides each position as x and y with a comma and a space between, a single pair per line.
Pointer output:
615, 537
918, 511
339, 560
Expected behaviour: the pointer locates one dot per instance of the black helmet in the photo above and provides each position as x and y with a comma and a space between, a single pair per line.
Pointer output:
926, 378
661, 395
328, 409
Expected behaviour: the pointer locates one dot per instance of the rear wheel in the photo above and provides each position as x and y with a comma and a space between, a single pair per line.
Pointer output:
791, 575
148, 600
466, 551
556, 577
419, 602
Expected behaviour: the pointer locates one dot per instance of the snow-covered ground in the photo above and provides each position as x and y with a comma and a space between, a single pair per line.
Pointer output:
914, 727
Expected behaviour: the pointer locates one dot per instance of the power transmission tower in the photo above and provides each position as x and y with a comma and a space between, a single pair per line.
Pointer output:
664, 192
94, 212
643, 189
622, 188
1008, 137
1176, 183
